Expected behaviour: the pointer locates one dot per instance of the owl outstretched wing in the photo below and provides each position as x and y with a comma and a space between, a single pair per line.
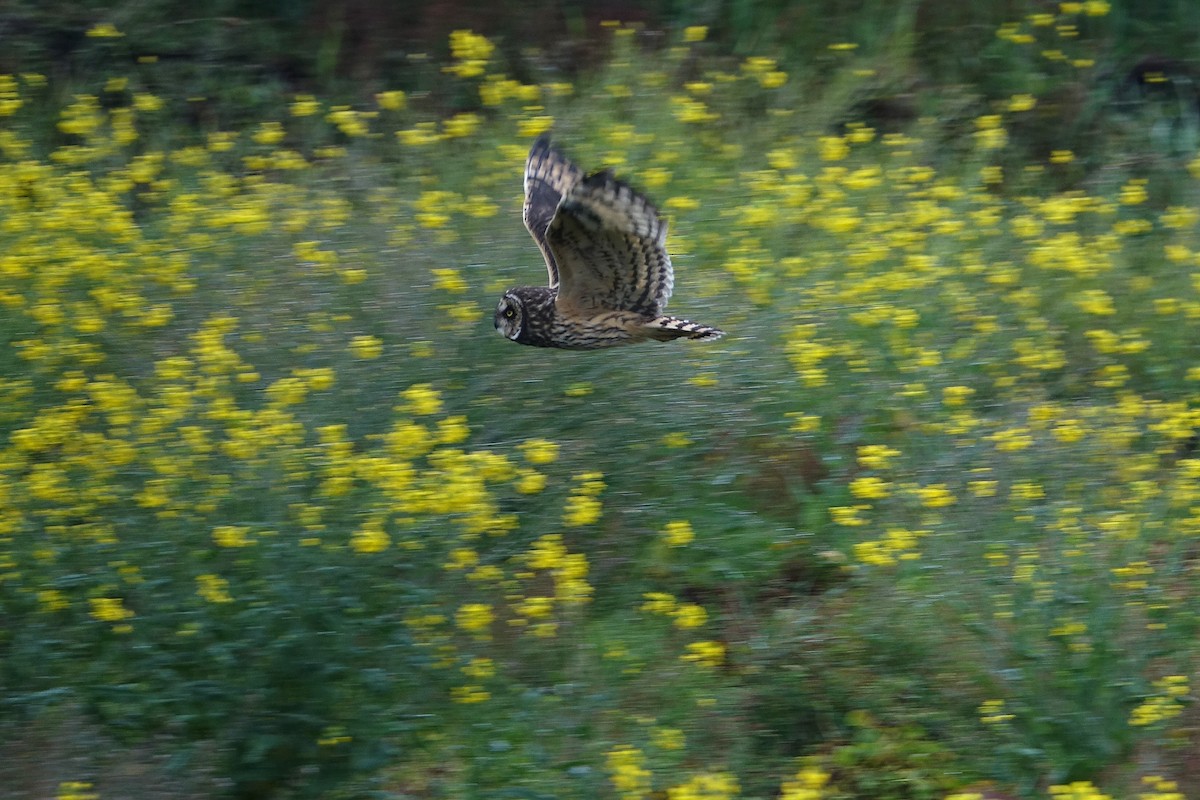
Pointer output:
609, 244
548, 176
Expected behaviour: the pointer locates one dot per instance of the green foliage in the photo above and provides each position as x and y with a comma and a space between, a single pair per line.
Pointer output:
274, 497
893, 763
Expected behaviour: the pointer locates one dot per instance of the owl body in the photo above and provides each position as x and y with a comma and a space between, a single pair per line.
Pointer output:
610, 276
541, 324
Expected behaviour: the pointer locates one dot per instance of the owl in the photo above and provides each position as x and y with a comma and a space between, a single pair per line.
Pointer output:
605, 251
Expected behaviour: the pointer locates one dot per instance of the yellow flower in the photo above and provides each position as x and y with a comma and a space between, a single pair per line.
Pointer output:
462, 558
76, 790
1095, 301
109, 609
981, 488
936, 495
691, 111
366, 347
535, 607
213, 588
695, 33
394, 100
876, 456
529, 128
453, 430
1165, 705
461, 125
530, 482
370, 538
1134, 192
269, 133
804, 423
53, 600
469, 694
471, 52
425, 133
690, 615
956, 396
580, 511
627, 773
847, 515
808, 784
422, 400
582, 507
350, 122
706, 786
232, 536
539, 451
676, 440
668, 738
992, 711
833, 148
305, 105
1021, 102
678, 533
705, 654
1077, 790
146, 102
474, 618
869, 487
989, 133
104, 30
479, 668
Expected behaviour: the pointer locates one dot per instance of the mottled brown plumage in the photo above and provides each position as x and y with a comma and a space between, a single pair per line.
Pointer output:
604, 244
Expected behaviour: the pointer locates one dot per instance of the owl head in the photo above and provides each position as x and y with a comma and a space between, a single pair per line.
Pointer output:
510, 315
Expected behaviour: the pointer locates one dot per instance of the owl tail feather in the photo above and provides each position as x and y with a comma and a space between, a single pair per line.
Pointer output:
666, 328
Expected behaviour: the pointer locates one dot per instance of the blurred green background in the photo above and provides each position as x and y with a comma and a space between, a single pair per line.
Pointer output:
281, 515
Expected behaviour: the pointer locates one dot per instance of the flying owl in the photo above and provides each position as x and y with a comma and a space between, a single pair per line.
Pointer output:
605, 251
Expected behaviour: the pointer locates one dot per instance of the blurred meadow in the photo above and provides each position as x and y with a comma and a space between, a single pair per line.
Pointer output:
281, 515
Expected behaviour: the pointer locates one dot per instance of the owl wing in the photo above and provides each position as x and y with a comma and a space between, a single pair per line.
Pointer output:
548, 176
610, 247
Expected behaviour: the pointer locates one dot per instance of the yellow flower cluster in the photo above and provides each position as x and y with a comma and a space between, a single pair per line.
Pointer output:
475, 618
678, 533
706, 786
1167, 704
1160, 789
111, 609
76, 790
685, 615
213, 588
471, 53
583, 505
1023, 353
765, 71
708, 654
992, 712
1077, 790
568, 570
627, 772
807, 784
896, 545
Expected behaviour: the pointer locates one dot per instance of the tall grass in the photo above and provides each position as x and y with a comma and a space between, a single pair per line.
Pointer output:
275, 498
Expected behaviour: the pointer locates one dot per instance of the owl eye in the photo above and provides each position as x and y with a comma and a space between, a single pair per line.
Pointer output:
509, 313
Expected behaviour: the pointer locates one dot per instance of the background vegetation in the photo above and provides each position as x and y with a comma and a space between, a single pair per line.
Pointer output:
280, 515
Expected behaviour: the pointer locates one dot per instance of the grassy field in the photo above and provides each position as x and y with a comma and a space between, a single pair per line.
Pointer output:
281, 515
